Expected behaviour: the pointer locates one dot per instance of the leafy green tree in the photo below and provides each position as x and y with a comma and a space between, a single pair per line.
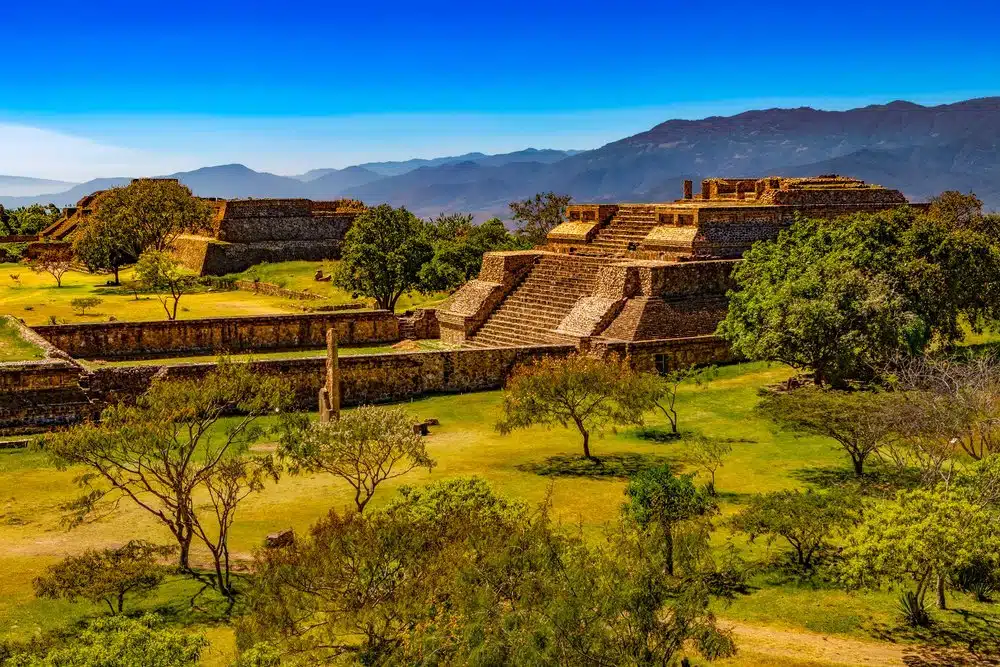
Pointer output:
106, 575
459, 246
806, 521
170, 447
861, 422
658, 498
157, 271
85, 302
843, 297
538, 215
709, 454
661, 389
364, 447
120, 640
578, 390
149, 213
382, 255
104, 246
453, 574
27, 220
922, 537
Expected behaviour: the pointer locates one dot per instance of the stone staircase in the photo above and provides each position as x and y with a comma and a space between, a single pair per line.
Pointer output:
626, 230
533, 311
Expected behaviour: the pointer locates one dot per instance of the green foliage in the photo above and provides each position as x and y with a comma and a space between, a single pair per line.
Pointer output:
459, 245
85, 302
118, 641
12, 252
163, 451
844, 297
27, 220
709, 454
53, 263
807, 521
861, 422
539, 215
108, 575
452, 574
364, 447
657, 498
382, 255
923, 537
584, 391
661, 389
158, 272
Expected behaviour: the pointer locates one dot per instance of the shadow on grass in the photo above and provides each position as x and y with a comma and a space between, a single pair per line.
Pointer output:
657, 434
956, 637
880, 482
610, 466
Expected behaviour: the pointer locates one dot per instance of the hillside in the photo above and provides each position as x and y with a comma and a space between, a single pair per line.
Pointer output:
921, 150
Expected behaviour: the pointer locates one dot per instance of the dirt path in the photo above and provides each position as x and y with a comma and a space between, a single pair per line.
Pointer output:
794, 647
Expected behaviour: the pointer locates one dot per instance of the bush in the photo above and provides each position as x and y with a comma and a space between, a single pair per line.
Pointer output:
979, 577
913, 609
83, 303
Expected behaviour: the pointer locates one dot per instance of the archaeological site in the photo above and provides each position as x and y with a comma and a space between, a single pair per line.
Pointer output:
646, 281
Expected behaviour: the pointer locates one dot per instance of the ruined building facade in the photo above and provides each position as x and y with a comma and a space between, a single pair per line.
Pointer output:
241, 232
649, 280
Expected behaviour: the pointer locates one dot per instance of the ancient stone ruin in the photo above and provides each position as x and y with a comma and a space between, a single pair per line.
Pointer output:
648, 280
241, 233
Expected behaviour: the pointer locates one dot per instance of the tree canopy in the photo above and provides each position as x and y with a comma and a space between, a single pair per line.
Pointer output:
27, 220
842, 297
459, 245
538, 215
383, 253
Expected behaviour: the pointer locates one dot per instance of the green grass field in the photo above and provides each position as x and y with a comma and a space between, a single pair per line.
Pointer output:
300, 276
15, 348
31, 491
35, 299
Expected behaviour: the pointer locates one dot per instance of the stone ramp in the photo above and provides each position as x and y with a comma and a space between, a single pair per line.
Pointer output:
531, 313
626, 231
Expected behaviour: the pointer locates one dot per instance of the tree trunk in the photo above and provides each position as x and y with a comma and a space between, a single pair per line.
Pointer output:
940, 592
859, 465
117, 282
586, 443
669, 548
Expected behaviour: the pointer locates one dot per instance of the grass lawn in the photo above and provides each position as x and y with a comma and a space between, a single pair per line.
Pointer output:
31, 491
412, 346
15, 348
300, 276
34, 298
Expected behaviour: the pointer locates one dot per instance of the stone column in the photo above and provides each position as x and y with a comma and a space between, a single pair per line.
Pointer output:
688, 189
329, 398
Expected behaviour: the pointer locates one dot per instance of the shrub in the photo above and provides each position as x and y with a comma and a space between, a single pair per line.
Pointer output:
83, 303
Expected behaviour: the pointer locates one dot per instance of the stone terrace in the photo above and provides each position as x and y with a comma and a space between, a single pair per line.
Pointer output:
535, 308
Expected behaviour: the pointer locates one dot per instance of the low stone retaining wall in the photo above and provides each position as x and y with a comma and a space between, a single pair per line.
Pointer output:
129, 340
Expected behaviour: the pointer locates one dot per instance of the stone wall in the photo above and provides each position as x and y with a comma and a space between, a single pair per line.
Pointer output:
670, 354
261, 220
210, 257
122, 340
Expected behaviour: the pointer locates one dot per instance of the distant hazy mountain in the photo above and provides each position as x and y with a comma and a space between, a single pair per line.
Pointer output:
25, 186
920, 150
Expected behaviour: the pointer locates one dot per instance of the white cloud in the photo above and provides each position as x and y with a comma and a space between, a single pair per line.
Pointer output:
42, 153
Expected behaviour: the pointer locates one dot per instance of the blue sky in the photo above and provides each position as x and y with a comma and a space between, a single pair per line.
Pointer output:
109, 88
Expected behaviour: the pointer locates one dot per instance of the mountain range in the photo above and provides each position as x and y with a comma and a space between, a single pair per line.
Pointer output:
922, 150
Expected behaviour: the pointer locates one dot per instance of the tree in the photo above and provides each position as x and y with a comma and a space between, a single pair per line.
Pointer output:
709, 454
119, 640
861, 422
103, 245
661, 389
459, 246
108, 575
157, 271
452, 573
382, 255
149, 213
27, 220
923, 536
539, 215
586, 392
844, 297
55, 264
806, 521
85, 302
657, 498
364, 447
169, 447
